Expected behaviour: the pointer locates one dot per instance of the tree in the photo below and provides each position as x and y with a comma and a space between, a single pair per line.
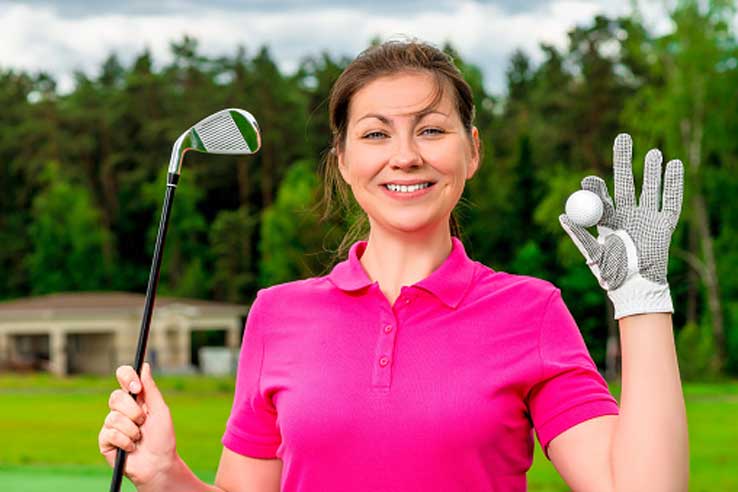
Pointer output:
685, 113
16, 192
185, 257
68, 239
316, 77
292, 243
232, 238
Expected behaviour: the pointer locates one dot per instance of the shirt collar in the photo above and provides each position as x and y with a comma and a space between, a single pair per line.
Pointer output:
449, 282
349, 275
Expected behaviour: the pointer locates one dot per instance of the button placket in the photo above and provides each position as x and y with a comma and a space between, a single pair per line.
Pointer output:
382, 364
407, 296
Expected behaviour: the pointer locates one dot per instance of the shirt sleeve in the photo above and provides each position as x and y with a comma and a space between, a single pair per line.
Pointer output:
569, 390
252, 426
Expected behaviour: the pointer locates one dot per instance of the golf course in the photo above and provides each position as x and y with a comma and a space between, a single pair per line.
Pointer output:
50, 428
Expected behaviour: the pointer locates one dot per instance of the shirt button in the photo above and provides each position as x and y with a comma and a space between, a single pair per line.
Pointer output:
383, 361
388, 328
407, 301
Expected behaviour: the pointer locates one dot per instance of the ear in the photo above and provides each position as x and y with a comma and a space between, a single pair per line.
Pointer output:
341, 158
475, 158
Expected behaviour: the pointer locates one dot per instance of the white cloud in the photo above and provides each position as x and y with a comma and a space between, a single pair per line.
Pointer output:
38, 37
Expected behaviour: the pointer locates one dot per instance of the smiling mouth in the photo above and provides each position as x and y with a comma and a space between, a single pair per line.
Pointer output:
407, 188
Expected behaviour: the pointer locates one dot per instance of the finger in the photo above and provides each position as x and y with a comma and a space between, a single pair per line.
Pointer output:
152, 396
124, 403
128, 379
673, 188
597, 185
651, 181
622, 161
118, 421
584, 241
113, 438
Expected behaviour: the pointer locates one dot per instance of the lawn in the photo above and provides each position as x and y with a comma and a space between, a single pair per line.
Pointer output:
49, 427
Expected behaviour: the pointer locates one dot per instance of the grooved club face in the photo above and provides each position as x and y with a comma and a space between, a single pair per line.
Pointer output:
229, 131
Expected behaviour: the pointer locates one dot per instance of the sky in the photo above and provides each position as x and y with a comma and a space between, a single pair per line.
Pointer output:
61, 37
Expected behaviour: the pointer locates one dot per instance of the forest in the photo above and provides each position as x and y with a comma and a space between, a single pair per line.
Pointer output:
82, 172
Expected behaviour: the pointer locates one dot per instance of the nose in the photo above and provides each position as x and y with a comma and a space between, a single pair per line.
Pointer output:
406, 154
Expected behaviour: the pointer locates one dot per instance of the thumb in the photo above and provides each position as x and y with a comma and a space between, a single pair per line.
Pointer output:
152, 396
590, 248
584, 241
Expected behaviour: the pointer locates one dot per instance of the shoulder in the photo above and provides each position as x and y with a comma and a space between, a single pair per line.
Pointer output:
511, 298
488, 281
287, 311
292, 295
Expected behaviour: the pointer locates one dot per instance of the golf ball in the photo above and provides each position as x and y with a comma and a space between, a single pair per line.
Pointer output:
584, 208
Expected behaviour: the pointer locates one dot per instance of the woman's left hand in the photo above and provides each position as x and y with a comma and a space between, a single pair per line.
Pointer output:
630, 255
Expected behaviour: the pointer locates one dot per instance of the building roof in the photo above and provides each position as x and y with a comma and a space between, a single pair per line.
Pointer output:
84, 302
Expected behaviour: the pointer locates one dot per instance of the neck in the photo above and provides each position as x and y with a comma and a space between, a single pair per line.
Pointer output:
396, 260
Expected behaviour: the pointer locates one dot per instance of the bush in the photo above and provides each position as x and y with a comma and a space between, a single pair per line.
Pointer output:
731, 339
695, 351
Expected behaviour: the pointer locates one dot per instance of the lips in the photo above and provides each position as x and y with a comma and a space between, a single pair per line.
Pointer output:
402, 188
399, 185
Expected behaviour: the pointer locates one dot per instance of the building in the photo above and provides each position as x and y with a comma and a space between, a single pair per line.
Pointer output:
95, 332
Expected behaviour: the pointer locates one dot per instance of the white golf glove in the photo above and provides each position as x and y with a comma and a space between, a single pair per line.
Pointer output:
630, 255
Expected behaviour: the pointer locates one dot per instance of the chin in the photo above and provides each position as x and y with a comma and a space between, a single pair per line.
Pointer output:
413, 227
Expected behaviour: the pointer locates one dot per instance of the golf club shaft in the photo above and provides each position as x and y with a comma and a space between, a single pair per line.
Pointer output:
143, 336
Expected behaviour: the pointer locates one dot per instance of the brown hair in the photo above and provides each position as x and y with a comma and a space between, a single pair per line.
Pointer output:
385, 59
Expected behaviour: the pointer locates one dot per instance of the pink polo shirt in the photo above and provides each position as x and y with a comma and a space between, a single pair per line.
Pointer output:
440, 392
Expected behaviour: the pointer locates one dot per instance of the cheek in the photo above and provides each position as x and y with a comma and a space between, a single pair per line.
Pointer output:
468, 163
453, 160
363, 164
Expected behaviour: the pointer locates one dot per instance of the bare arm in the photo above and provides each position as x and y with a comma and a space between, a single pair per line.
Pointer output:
646, 446
236, 473
650, 449
178, 477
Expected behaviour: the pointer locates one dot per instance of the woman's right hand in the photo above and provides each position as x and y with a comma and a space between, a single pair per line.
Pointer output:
143, 428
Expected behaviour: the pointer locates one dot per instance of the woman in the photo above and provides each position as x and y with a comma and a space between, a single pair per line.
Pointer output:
410, 366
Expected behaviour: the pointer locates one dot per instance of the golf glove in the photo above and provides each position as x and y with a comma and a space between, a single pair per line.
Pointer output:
630, 255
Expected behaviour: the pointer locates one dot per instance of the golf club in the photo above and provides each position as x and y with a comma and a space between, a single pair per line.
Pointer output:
229, 131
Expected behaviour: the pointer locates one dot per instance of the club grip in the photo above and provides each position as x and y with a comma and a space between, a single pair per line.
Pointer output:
120, 463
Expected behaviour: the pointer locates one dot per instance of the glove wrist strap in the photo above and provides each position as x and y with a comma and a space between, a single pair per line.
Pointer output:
639, 295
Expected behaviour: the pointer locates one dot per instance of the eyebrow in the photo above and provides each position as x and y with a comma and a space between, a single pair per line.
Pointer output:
418, 116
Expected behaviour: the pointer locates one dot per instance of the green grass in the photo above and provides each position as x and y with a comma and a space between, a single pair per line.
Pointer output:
49, 428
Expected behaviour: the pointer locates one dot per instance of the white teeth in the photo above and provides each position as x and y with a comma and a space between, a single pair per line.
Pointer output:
405, 188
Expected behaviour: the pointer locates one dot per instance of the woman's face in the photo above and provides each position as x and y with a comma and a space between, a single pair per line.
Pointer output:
406, 163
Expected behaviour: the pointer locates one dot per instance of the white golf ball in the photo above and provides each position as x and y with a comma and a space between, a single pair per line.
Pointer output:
584, 208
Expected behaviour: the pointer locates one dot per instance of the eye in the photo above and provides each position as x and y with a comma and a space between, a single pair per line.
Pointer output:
374, 135
432, 131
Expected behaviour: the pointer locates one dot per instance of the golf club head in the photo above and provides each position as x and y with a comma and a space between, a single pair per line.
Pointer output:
229, 131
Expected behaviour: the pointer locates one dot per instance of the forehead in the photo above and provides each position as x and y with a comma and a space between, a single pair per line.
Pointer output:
399, 94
